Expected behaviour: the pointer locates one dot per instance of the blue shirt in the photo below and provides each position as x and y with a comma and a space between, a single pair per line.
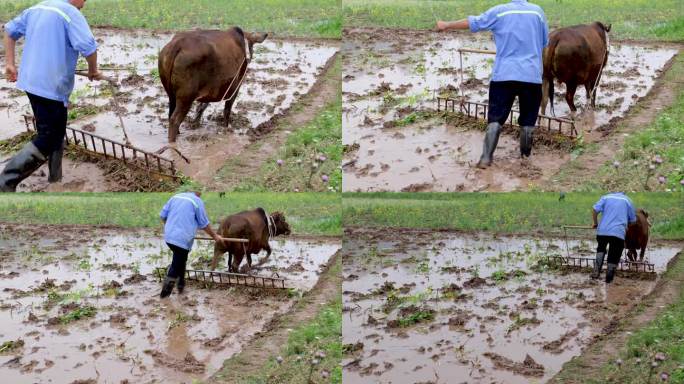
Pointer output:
616, 211
184, 214
56, 32
520, 34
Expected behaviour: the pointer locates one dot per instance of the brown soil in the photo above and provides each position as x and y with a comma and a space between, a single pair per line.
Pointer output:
528, 367
607, 346
248, 163
268, 343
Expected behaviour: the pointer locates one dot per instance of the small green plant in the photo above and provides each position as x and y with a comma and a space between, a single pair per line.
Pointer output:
78, 314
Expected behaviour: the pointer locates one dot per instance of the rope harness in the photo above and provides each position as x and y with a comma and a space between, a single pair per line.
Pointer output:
242, 78
605, 59
271, 226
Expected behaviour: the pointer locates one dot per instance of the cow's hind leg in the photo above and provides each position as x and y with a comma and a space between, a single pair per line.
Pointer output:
177, 117
570, 98
249, 263
641, 254
172, 105
545, 95
201, 107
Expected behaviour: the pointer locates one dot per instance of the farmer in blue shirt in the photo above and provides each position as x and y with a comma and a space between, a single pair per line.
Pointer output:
182, 215
55, 33
617, 211
520, 33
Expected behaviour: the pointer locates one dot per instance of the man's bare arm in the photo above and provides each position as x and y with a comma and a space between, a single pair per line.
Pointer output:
93, 72
10, 66
448, 25
594, 216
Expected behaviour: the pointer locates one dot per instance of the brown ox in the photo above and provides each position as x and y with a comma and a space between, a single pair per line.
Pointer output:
637, 236
256, 226
204, 66
575, 56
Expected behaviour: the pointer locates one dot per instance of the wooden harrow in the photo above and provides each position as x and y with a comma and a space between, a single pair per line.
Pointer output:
479, 110
228, 278
110, 149
574, 262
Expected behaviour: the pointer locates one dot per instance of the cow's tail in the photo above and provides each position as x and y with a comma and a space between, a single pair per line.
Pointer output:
549, 72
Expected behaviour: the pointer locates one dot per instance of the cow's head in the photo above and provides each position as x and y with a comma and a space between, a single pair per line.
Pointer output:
254, 38
282, 227
604, 27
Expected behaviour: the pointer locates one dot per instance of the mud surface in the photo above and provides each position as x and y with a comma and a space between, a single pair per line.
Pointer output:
431, 307
85, 306
389, 79
279, 74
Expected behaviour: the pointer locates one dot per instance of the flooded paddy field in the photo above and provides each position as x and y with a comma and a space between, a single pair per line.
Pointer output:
391, 80
280, 73
476, 308
81, 303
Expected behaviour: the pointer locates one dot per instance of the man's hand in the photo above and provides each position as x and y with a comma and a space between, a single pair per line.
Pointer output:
97, 75
441, 25
11, 73
220, 240
594, 226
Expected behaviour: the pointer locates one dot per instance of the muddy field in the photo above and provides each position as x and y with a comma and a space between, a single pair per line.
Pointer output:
83, 305
389, 78
280, 73
431, 307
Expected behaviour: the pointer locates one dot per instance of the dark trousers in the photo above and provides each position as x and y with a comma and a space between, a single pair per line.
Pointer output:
502, 95
615, 246
51, 121
177, 268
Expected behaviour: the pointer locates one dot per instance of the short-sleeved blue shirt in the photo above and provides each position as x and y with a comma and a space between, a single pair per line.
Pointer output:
520, 34
184, 214
56, 33
616, 211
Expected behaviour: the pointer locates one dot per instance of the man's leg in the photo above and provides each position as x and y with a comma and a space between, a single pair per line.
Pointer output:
501, 98
600, 255
51, 119
180, 257
529, 98
615, 248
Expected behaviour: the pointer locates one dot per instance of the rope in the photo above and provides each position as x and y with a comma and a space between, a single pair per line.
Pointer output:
238, 74
598, 78
270, 223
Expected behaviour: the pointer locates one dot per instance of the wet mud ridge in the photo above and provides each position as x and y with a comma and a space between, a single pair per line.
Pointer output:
280, 74
391, 80
84, 305
428, 307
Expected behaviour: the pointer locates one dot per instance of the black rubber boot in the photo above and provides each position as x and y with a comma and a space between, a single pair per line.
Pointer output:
490, 141
21, 166
167, 287
526, 141
598, 265
55, 165
610, 273
181, 285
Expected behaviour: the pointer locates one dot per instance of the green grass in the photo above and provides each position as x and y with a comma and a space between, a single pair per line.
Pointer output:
306, 18
302, 151
631, 19
525, 213
307, 213
664, 141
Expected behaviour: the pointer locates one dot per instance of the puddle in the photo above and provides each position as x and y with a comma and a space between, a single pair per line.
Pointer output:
280, 73
133, 335
383, 77
489, 308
